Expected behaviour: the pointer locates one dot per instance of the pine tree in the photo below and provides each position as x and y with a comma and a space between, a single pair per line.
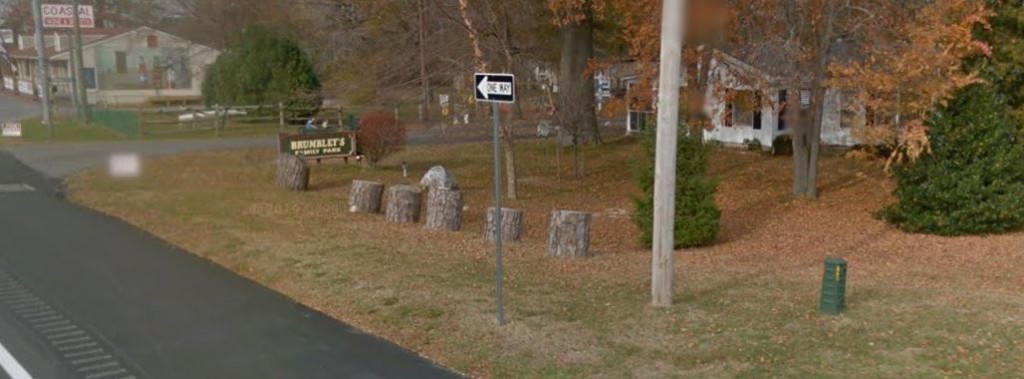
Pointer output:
1004, 65
264, 68
972, 180
697, 215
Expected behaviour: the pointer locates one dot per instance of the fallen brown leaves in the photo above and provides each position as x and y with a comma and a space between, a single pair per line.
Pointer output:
433, 292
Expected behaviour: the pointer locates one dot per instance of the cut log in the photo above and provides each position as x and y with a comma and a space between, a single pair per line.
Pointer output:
292, 172
365, 196
444, 209
403, 204
511, 224
569, 236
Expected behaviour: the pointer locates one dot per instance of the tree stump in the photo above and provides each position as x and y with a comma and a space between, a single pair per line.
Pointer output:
364, 197
292, 172
444, 209
511, 224
569, 235
403, 204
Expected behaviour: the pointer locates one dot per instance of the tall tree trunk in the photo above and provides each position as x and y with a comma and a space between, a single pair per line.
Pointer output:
510, 163
801, 148
510, 61
807, 146
577, 87
425, 106
508, 128
814, 139
474, 36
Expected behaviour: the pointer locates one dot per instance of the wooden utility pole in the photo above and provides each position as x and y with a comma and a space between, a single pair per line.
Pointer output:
79, 84
662, 267
42, 69
425, 108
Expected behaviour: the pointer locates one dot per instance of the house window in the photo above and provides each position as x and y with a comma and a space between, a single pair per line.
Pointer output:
782, 110
636, 110
728, 114
152, 42
638, 121
89, 77
849, 115
757, 111
741, 108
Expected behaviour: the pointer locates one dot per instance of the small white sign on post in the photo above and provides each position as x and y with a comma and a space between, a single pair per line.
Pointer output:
11, 129
7, 35
61, 16
124, 165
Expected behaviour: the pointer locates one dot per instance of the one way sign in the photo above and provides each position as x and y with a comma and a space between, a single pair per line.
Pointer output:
495, 88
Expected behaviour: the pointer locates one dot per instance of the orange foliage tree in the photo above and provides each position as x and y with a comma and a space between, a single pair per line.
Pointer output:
899, 58
910, 68
902, 58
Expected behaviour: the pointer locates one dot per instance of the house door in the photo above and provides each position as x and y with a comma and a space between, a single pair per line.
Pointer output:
121, 60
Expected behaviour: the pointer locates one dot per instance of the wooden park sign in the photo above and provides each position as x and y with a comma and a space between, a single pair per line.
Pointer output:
318, 145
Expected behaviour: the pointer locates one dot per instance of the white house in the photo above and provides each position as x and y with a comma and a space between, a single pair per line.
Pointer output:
745, 102
121, 67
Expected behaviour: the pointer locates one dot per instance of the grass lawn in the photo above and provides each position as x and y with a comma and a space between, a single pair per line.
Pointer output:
33, 130
918, 306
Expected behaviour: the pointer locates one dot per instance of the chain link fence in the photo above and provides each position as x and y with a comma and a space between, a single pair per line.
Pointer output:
121, 121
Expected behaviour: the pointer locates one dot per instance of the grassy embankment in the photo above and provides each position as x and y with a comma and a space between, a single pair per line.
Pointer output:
919, 306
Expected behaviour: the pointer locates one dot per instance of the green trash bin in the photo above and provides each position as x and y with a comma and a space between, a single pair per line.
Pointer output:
833, 287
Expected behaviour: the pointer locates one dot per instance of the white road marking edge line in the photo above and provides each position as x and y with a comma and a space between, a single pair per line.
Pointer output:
11, 365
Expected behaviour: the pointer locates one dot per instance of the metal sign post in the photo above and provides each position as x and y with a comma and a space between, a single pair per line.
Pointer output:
497, 88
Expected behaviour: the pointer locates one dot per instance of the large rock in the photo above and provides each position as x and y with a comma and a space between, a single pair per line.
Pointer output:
544, 129
439, 177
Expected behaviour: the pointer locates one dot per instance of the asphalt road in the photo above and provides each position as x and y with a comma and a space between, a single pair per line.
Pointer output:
13, 108
83, 295
82, 290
